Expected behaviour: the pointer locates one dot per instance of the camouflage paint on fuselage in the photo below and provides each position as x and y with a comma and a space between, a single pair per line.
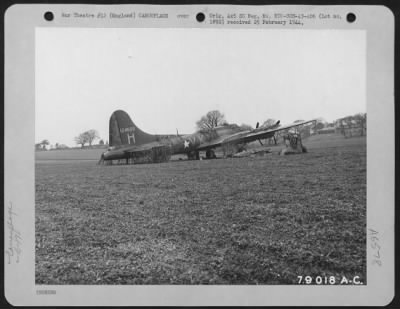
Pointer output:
191, 142
183, 144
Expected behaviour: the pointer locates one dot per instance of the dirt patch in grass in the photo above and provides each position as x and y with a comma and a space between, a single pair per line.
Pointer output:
260, 220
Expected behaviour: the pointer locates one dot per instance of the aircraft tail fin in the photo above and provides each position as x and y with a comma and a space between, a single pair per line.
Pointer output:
123, 131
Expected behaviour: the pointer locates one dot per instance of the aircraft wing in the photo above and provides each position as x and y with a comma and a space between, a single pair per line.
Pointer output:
270, 132
213, 144
249, 136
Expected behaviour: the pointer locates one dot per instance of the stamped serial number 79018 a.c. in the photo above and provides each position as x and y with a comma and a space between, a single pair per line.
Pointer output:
328, 280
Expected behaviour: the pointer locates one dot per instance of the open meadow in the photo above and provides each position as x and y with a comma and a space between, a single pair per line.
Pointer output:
262, 220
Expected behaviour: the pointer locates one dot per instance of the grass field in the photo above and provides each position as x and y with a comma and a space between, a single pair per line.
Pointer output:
263, 220
69, 155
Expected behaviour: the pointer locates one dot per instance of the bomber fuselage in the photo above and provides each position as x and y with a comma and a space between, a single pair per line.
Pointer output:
180, 144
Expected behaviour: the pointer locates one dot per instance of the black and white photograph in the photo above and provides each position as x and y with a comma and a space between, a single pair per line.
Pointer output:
200, 157
222, 148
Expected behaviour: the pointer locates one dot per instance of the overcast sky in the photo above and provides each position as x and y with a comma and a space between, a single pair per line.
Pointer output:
166, 79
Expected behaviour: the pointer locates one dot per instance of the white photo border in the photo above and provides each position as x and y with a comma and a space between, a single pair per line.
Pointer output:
21, 20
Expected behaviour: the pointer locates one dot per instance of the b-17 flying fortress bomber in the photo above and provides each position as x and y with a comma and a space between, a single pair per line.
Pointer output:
129, 143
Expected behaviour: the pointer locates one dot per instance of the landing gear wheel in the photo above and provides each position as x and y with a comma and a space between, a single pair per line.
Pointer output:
193, 155
210, 154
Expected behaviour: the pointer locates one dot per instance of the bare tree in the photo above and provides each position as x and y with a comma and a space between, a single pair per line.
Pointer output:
211, 120
81, 139
87, 137
91, 136
361, 120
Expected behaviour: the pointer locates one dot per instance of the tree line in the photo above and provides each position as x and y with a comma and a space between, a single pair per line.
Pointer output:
84, 138
352, 125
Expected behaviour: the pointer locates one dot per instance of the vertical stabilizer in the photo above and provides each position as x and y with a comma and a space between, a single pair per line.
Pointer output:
124, 132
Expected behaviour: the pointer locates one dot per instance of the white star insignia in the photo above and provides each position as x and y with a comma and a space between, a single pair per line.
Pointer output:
186, 144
